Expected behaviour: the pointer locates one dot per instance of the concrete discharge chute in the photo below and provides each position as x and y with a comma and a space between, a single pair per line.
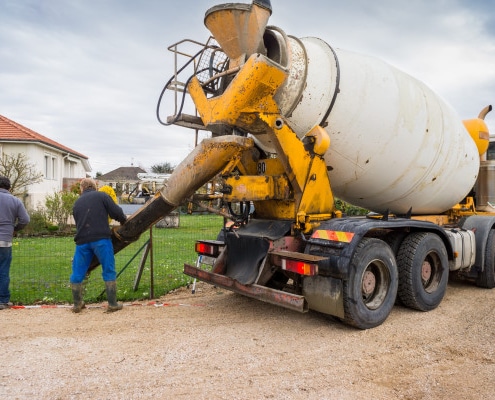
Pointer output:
200, 166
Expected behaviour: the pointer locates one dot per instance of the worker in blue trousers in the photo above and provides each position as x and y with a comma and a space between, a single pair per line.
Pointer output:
93, 239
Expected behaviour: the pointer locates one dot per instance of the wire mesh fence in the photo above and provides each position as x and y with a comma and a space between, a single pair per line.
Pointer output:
41, 266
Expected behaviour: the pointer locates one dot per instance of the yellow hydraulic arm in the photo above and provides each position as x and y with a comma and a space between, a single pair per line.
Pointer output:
294, 185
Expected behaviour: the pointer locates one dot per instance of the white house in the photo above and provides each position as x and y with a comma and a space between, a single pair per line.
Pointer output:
60, 165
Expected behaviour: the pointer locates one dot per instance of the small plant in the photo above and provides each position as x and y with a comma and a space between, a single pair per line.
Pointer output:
349, 209
59, 208
38, 224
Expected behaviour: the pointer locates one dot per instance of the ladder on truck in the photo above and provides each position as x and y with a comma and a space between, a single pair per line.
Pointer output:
205, 61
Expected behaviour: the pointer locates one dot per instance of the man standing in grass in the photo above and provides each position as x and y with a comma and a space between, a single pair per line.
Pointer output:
93, 238
13, 217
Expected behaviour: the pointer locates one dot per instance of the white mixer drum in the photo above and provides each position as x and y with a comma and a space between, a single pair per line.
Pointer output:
394, 143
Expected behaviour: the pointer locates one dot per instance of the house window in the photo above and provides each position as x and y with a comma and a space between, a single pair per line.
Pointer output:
490, 154
69, 168
72, 169
47, 167
50, 167
54, 168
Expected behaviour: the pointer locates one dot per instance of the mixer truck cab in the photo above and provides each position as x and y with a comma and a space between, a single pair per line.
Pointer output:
296, 124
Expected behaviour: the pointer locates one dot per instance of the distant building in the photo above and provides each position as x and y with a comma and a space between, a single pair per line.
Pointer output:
60, 165
124, 180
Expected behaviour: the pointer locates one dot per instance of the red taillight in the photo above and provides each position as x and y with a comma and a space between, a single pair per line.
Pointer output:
299, 267
207, 249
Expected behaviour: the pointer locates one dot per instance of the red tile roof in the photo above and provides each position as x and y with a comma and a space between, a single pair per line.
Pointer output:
11, 131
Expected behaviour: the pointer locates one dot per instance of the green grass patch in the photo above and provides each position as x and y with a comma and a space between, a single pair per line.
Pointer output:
41, 266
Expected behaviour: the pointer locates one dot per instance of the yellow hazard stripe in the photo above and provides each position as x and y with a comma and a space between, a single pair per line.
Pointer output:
336, 236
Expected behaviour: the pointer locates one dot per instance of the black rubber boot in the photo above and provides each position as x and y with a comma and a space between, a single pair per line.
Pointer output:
111, 289
77, 290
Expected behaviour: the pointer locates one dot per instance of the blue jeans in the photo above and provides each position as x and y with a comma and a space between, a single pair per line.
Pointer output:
84, 254
5, 260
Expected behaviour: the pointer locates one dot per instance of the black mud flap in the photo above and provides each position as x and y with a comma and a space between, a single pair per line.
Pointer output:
244, 257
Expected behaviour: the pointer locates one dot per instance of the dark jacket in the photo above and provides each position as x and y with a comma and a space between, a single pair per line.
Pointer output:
91, 212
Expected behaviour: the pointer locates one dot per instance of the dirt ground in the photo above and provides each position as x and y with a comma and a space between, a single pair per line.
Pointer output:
216, 344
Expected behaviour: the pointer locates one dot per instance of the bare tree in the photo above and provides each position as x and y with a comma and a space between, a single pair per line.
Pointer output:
163, 168
20, 171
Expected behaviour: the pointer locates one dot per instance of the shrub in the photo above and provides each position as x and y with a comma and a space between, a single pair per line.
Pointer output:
38, 224
349, 209
59, 208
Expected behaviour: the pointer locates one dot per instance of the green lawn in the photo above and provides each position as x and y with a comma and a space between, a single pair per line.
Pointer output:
41, 267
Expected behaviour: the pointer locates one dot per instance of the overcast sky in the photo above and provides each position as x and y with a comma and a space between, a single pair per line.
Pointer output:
88, 73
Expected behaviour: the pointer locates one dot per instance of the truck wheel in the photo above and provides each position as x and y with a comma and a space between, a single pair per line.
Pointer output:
423, 271
370, 291
486, 278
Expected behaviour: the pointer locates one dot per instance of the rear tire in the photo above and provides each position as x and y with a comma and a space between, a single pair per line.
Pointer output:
486, 278
424, 271
370, 291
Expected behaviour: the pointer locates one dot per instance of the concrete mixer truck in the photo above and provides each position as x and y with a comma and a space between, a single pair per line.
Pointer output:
296, 124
